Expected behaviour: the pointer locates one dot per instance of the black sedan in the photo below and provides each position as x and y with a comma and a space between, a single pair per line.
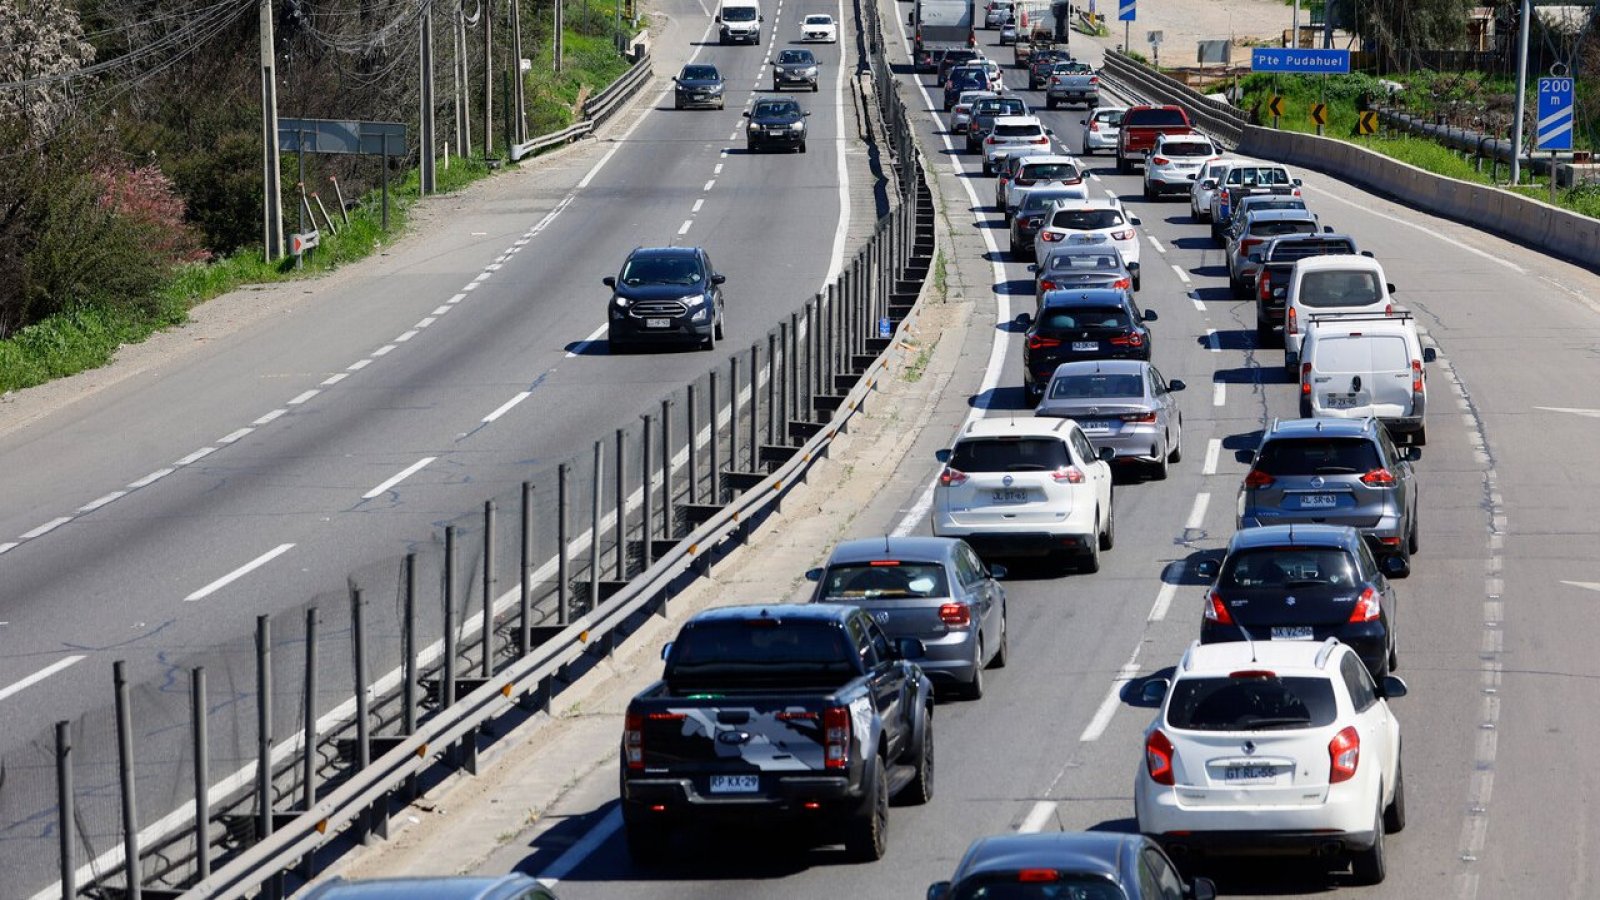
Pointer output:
1101, 323
665, 295
796, 68
776, 124
1079, 865
1302, 583
698, 85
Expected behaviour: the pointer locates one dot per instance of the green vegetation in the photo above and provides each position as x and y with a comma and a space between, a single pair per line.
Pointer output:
918, 367
941, 278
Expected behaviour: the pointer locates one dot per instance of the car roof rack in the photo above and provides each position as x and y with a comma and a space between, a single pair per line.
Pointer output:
1399, 315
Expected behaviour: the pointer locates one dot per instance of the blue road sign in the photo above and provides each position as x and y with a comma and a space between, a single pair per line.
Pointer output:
1555, 114
1305, 62
884, 329
1125, 10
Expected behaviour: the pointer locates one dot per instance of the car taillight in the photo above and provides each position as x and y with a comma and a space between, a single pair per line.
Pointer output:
1068, 474
1038, 876
633, 740
1290, 321
1051, 237
1158, 757
1305, 379
1247, 244
1095, 125
956, 614
1042, 343
1128, 340
1256, 478
990, 140
1216, 611
1378, 478
1122, 234
1054, 80
1367, 608
1416, 376
1047, 285
951, 476
1094, 79
1041, 139
1160, 160
1264, 286
1124, 283
1344, 754
1148, 418
836, 731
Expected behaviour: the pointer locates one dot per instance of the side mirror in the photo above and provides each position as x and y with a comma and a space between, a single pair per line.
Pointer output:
609, 281
1207, 568
1412, 453
674, 79
1202, 889
1327, 229
1395, 567
1033, 268
1208, 185
808, 113
666, 650
745, 114
998, 572
1050, 131
1107, 455
942, 455
718, 18
1135, 220
719, 279
1176, 385
1025, 319
1251, 455
1298, 183
1429, 354
813, 574
1255, 258
939, 890
1083, 121
1394, 688
1368, 254
909, 648
1154, 691
1150, 315
1133, 268
1390, 286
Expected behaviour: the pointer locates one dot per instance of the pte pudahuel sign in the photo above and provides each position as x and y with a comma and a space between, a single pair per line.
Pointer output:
1304, 62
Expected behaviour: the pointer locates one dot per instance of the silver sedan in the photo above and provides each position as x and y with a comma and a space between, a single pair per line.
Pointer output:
1123, 404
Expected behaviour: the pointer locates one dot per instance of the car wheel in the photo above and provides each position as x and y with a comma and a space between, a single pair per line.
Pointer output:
720, 327
1394, 816
1177, 452
813, 87
1413, 544
749, 146
919, 790
866, 836
677, 104
723, 103
1136, 282
1194, 215
1368, 866
1002, 655
708, 343
775, 87
973, 690
1161, 469
1419, 438
802, 146
1122, 164
648, 842
1236, 286
1263, 333
1015, 248
1148, 194
1108, 537
1049, 103
988, 170
1090, 562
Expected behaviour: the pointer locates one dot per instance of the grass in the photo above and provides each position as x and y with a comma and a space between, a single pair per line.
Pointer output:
919, 367
941, 277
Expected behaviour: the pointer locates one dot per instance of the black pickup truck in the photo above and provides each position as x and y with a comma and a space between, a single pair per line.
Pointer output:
1277, 259
786, 713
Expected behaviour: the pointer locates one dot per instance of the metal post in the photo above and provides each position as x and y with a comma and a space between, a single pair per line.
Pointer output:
563, 572
487, 638
488, 78
647, 489
427, 143
202, 775
263, 728
785, 374
385, 143
693, 435
813, 342
525, 575
447, 686
408, 636
620, 467
66, 814
359, 646
773, 378
712, 418
666, 469
519, 120
755, 406
560, 47
1522, 92
733, 411
271, 165
596, 495
308, 744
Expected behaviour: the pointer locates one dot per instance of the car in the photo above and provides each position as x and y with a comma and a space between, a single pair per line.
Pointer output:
1008, 32
1082, 323
1205, 185
1335, 472
1072, 82
1100, 129
961, 113
1026, 487
1011, 135
1036, 205
1249, 176
1256, 228
1139, 128
1095, 222
985, 111
1038, 172
1042, 63
1277, 258
515, 886
1354, 365
1069, 865
962, 79
776, 124
1302, 583
794, 68
739, 21
955, 56
1174, 162
665, 294
1123, 404
1240, 202
1273, 747
933, 589
997, 12
996, 75
698, 84
1079, 266
1330, 284
819, 27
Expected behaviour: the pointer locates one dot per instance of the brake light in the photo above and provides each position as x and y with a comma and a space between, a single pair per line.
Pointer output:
1051, 237
1068, 475
884, 562
1042, 343
1305, 379
952, 476
1388, 309
633, 741
1041, 139
1128, 340
1253, 675
1047, 285
1344, 754
1264, 286
1158, 757
1247, 244
1095, 125
1216, 611
1291, 324
1378, 478
1124, 283
1054, 80
1094, 79
1139, 418
1160, 160
1038, 876
956, 614
990, 140
836, 742
1122, 234
1416, 376
1367, 608
1256, 478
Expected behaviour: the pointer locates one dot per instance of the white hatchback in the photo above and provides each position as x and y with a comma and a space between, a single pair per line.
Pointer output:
1027, 487
819, 27
1094, 222
1273, 746
1174, 162
1102, 128
1012, 135
1205, 185
1331, 284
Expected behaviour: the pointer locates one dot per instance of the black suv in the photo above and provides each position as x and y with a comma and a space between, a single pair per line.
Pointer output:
1277, 261
1100, 323
665, 294
698, 85
776, 123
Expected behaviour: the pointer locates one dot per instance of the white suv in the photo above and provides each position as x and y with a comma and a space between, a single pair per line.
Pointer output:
1174, 162
1014, 134
1282, 746
1027, 487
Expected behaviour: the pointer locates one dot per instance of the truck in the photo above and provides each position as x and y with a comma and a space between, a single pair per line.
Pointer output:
1037, 37
1141, 124
783, 713
938, 25
1072, 82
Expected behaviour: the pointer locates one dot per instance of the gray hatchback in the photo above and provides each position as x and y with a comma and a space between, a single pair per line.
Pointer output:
1335, 472
467, 887
1123, 404
933, 589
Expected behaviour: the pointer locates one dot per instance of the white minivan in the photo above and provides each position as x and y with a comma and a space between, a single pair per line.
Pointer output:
1356, 365
739, 21
1330, 284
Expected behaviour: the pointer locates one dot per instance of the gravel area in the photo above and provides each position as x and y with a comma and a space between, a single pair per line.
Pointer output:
1184, 23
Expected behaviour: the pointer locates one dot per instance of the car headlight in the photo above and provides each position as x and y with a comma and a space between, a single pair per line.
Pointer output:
811, 71
622, 302
715, 89
701, 307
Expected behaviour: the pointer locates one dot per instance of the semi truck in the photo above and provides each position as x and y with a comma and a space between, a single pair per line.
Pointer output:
939, 25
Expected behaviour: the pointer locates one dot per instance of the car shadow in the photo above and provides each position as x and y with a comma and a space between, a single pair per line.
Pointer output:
1237, 339
1011, 397
1016, 287
1218, 271
1265, 876
1132, 692
1195, 243
1012, 326
1128, 825
1253, 375
1214, 294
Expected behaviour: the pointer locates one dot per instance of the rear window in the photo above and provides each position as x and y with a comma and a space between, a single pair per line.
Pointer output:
1276, 227
1289, 567
1337, 289
1001, 106
1109, 116
1187, 148
1292, 250
1260, 176
1009, 455
1017, 131
885, 580
1096, 318
1086, 219
1093, 387
1010, 886
1104, 262
1158, 118
1318, 456
1251, 704
1037, 200
1058, 171
756, 649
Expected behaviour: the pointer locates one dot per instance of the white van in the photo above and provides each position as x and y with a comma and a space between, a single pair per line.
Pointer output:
1358, 365
1330, 284
739, 22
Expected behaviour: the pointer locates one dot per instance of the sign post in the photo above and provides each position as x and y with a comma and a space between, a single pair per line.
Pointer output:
345, 136
1154, 38
1554, 131
1126, 14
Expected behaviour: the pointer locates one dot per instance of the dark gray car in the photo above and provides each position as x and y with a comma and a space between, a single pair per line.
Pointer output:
1069, 866
1124, 404
665, 294
1258, 227
1073, 266
698, 85
464, 887
1335, 472
933, 589
794, 68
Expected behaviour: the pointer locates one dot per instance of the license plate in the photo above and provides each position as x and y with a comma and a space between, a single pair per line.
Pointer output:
1085, 346
1292, 633
1087, 239
1341, 401
735, 784
658, 323
1010, 495
1318, 501
1248, 773
1094, 425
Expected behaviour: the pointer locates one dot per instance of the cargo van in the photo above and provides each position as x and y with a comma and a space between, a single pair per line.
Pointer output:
1331, 284
1358, 365
739, 22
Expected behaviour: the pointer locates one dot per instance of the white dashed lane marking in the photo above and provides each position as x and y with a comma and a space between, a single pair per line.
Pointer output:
40, 675
402, 475
1213, 454
239, 573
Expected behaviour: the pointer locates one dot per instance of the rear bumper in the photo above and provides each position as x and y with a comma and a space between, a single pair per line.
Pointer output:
1341, 823
1161, 186
1017, 543
1266, 843
1133, 445
781, 795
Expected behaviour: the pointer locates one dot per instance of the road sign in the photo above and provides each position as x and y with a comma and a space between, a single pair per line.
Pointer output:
1555, 114
885, 328
1154, 37
1275, 105
300, 243
1289, 59
1125, 10
342, 136
1368, 123
1319, 113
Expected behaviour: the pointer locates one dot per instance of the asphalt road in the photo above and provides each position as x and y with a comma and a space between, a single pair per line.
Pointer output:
1495, 624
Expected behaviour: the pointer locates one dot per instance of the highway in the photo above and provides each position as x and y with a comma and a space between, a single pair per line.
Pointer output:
1495, 626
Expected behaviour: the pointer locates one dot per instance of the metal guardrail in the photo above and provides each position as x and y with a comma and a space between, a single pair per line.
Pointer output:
1221, 120
545, 141
595, 110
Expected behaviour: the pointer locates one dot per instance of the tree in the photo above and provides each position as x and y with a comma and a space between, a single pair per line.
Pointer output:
1413, 24
44, 45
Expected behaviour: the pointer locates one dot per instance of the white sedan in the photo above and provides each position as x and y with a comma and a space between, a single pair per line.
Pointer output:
1093, 222
819, 27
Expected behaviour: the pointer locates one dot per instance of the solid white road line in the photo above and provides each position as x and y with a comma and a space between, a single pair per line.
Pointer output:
40, 675
196, 456
506, 406
1219, 394
1422, 228
577, 853
239, 573
1163, 602
1213, 453
46, 528
1108, 707
405, 473
8, 546
93, 505
152, 478
304, 397
1197, 515
1038, 817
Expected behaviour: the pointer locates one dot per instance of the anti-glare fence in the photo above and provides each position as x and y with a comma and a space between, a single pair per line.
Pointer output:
176, 776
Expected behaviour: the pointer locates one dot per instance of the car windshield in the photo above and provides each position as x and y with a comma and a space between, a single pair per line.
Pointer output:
1254, 701
1054, 319
1009, 455
1003, 106
661, 270
1318, 456
739, 14
1187, 148
1262, 176
1288, 567
1085, 262
819, 20
796, 57
1014, 886
1096, 386
885, 580
699, 73
1335, 289
1057, 171
756, 647
1086, 219
768, 108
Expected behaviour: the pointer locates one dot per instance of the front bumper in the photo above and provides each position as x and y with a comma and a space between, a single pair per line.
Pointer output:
679, 329
763, 140
739, 36
793, 79
704, 99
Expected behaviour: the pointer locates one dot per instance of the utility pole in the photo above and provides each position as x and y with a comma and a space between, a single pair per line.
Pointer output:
519, 124
1522, 92
1294, 40
428, 141
488, 79
271, 165
463, 88
560, 43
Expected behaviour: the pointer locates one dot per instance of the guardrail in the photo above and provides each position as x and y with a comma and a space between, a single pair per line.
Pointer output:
595, 111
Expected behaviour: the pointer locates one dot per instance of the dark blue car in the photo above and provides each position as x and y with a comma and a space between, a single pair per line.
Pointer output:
665, 295
1077, 865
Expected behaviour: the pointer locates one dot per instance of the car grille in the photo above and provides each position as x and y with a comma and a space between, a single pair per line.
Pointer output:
659, 308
